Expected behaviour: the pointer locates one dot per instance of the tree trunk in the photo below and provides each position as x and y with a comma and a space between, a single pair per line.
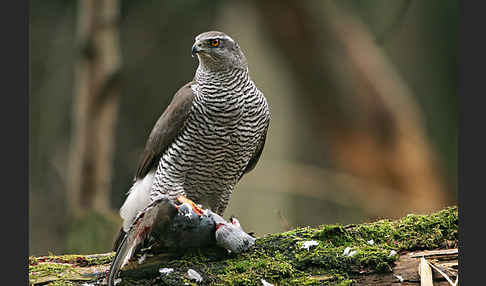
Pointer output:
97, 88
379, 253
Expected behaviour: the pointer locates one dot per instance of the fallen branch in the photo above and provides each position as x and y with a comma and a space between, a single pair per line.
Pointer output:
379, 253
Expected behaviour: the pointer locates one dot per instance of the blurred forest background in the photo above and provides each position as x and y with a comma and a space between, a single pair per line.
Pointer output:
363, 96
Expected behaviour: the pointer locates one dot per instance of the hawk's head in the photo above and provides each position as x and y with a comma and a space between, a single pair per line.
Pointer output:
218, 51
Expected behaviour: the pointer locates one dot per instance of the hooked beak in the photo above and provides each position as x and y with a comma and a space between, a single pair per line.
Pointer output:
196, 48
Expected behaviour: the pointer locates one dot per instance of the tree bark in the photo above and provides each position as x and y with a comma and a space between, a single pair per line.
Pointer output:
380, 253
97, 88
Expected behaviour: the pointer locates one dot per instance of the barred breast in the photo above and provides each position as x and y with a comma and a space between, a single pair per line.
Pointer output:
228, 118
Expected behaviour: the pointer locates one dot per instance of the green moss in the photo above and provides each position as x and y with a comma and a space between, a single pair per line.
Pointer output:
61, 282
303, 280
280, 258
99, 259
335, 234
413, 231
244, 266
42, 270
265, 267
74, 259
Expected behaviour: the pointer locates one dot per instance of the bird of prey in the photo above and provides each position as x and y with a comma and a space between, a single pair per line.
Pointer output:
211, 134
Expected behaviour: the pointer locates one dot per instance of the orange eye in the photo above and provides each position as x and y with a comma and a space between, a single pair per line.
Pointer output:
214, 43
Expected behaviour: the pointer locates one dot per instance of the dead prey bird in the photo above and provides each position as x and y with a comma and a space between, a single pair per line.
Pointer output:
189, 229
185, 229
211, 134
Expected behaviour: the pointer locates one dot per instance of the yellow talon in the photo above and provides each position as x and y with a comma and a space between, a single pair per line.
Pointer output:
182, 199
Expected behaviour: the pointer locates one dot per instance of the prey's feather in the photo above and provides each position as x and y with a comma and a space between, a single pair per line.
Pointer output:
139, 230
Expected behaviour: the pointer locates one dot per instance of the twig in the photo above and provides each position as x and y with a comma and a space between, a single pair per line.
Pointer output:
425, 273
442, 273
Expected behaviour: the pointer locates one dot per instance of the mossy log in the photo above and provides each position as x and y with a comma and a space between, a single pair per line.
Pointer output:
379, 253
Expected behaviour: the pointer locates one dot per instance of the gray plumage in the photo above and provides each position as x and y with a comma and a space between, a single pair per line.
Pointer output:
232, 237
211, 134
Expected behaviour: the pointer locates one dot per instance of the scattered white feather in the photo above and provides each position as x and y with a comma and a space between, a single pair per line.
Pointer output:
138, 198
265, 283
307, 244
193, 275
346, 251
371, 242
392, 253
349, 252
147, 248
400, 278
166, 271
142, 258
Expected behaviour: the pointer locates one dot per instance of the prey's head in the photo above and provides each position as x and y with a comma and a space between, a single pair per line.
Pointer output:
217, 51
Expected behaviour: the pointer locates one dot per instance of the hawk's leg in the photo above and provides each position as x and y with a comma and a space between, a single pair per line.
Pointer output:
182, 199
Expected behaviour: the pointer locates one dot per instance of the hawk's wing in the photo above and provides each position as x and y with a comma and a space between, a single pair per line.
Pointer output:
168, 126
166, 129
257, 154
